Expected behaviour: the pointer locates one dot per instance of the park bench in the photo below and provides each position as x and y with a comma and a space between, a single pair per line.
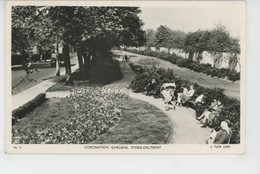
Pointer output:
191, 102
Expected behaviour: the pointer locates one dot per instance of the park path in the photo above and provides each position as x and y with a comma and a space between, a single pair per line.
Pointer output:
186, 129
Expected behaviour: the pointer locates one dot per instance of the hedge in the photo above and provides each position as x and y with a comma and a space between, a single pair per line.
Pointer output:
27, 107
230, 111
195, 66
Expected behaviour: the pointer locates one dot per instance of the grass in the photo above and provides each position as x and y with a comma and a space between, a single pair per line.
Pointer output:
53, 111
231, 89
141, 123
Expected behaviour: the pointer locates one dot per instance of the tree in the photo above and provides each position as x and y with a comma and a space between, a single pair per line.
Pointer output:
196, 42
150, 37
177, 39
162, 36
218, 42
93, 31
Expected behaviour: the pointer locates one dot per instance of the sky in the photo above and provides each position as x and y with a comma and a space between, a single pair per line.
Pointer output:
190, 19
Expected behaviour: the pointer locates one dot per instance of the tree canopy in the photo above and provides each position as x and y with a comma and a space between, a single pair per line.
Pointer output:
93, 31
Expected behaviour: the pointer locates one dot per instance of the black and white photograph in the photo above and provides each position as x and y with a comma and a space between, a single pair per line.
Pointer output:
125, 77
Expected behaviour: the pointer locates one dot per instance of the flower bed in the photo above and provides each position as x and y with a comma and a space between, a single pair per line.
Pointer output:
195, 66
230, 111
94, 112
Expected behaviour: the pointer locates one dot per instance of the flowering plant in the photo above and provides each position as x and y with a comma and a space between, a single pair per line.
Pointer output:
95, 111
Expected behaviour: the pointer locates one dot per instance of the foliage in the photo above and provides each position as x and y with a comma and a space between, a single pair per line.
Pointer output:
231, 107
150, 37
149, 63
95, 109
196, 42
177, 39
93, 31
28, 107
182, 62
216, 41
161, 36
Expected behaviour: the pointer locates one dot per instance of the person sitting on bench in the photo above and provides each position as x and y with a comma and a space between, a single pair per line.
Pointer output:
223, 135
150, 87
208, 116
168, 90
186, 95
199, 99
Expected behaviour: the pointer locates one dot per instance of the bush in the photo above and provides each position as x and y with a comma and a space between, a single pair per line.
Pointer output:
234, 76
231, 109
182, 62
149, 63
28, 107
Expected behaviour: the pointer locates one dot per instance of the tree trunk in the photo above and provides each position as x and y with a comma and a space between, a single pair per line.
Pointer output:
80, 60
200, 57
66, 54
191, 54
217, 59
86, 65
57, 60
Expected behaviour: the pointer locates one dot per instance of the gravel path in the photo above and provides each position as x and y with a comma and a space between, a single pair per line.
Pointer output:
186, 129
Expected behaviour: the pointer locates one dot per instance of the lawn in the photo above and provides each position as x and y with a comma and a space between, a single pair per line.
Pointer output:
142, 123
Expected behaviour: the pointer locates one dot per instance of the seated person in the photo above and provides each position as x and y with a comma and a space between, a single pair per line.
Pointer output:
209, 115
150, 87
186, 95
213, 135
167, 90
199, 99
223, 134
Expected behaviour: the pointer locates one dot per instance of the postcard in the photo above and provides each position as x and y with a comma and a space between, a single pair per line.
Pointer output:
125, 77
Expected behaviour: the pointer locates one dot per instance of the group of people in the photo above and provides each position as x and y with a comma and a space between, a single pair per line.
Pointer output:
221, 132
171, 97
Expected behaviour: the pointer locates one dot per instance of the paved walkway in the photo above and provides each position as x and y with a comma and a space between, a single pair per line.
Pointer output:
30, 93
186, 129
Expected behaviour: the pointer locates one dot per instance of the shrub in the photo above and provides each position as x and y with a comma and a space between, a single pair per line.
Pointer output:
182, 62
149, 63
28, 107
234, 76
